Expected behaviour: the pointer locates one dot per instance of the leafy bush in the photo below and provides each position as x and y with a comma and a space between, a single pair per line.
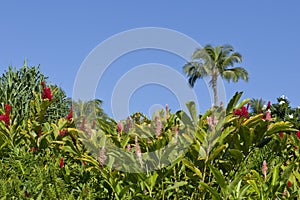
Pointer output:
226, 153
19, 87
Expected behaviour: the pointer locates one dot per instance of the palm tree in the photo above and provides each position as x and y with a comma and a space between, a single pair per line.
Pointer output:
210, 61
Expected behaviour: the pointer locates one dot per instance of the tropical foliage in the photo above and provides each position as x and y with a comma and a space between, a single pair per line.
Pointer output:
225, 153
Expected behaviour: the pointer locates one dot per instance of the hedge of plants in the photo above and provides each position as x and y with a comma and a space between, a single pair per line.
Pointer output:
237, 151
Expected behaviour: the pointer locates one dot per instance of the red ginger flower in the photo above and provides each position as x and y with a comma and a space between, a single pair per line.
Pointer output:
281, 135
46, 94
61, 162
7, 108
289, 184
62, 133
242, 112
298, 134
70, 115
269, 105
5, 117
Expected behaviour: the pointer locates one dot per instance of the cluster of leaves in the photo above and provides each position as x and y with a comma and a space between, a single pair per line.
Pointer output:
223, 154
19, 87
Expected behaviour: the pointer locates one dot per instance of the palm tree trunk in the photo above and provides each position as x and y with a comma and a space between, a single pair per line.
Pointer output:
214, 84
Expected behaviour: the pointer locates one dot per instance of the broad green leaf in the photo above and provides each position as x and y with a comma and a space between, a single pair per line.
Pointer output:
192, 167
216, 152
232, 103
192, 109
275, 175
242, 103
219, 177
280, 127
176, 185
214, 192
236, 154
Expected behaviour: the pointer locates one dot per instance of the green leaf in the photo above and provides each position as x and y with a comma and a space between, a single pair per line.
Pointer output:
219, 177
287, 171
236, 154
211, 190
280, 127
242, 103
176, 185
216, 152
232, 103
275, 175
192, 167
252, 121
125, 141
192, 109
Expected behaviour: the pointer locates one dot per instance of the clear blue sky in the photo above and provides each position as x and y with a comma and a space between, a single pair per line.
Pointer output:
58, 35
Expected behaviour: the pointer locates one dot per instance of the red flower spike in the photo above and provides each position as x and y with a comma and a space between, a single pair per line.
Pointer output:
46, 94
298, 134
43, 84
70, 115
269, 105
62, 133
61, 163
281, 135
7, 108
119, 125
289, 184
248, 105
242, 112
5, 118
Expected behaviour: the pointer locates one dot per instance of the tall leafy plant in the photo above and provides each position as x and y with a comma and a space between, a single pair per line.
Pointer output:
19, 86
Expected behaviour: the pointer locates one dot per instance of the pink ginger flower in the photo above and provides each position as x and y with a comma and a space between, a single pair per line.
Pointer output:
128, 125
268, 115
102, 157
128, 147
138, 150
158, 126
176, 133
264, 169
82, 127
212, 121
119, 125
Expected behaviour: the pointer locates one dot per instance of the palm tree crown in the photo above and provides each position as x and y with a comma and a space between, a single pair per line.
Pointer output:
214, 62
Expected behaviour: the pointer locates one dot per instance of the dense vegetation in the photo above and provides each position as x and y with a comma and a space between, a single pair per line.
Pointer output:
243, 150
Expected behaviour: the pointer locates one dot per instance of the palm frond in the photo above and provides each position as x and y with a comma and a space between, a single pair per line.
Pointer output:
235, 74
